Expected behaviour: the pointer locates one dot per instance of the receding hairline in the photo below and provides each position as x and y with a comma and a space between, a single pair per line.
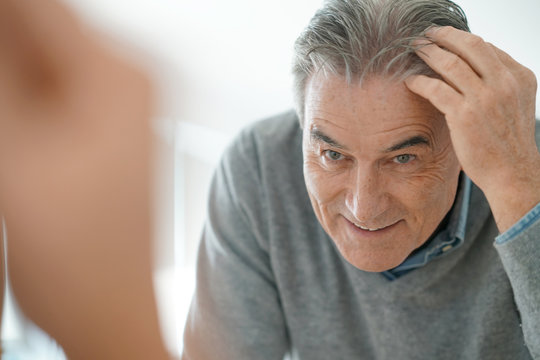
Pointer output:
359, 38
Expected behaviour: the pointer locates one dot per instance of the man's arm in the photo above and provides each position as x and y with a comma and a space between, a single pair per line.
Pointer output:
236, 311
488, 100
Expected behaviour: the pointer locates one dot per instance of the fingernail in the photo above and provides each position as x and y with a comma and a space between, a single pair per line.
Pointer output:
432, 30
420, 42
410, 79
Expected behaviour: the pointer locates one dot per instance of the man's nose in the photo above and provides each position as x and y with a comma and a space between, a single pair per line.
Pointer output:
366, 198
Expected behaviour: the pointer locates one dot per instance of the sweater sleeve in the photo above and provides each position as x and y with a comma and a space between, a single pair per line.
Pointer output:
236, 311
519, 249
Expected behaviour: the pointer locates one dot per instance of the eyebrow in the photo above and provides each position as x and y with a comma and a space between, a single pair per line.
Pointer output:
318, 135
413, 141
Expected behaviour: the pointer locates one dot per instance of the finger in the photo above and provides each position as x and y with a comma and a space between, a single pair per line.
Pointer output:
454, 70
441, 95
471, 48
506, 59
524, 75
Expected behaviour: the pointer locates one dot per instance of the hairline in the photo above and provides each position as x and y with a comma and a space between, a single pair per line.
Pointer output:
339, 40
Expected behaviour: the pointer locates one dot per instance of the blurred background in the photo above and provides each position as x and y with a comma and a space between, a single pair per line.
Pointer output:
217, 66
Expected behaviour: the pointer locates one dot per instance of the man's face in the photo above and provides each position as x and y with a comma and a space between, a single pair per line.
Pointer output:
379, 167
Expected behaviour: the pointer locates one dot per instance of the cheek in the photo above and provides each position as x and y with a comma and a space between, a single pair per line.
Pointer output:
323, 186
316, 183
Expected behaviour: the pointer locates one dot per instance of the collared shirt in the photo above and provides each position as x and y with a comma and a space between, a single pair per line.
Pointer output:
446, 239
453, 235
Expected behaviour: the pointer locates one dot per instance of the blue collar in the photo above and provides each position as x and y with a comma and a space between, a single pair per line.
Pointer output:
445, 240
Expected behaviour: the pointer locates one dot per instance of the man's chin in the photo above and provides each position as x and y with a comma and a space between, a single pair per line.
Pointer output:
374, 262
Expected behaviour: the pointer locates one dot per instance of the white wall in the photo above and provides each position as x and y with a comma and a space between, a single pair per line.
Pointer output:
511, 25
227, 62
222, 64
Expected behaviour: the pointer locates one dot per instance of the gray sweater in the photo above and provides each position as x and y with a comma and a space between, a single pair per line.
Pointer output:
271, 282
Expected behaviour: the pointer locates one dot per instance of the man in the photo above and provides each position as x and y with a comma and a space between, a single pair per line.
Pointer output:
395, 215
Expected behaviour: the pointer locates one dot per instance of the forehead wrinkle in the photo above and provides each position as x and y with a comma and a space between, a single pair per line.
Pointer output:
316, 120
317, 110
421, 129
424, 119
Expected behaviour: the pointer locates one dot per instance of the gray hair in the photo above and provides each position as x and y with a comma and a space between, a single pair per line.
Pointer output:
361, 38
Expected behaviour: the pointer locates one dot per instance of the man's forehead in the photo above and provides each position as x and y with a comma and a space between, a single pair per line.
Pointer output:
377, 106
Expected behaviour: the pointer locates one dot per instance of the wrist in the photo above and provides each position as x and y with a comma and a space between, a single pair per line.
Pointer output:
511, 201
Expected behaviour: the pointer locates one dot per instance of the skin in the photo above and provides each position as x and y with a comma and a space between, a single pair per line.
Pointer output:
488, 100
380, 157
75, 150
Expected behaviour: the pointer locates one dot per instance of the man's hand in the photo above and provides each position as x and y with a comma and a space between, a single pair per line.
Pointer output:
75, 149
488, 100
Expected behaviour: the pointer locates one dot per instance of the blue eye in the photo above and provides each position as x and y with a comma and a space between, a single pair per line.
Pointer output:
404, 159
333, 155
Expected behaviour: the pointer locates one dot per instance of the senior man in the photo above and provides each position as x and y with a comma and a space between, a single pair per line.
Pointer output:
395, 215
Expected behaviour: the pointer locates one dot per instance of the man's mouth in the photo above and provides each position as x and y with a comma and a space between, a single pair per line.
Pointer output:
368, 229
374, 228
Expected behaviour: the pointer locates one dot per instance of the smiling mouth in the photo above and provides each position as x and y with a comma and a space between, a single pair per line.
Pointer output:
373, 229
